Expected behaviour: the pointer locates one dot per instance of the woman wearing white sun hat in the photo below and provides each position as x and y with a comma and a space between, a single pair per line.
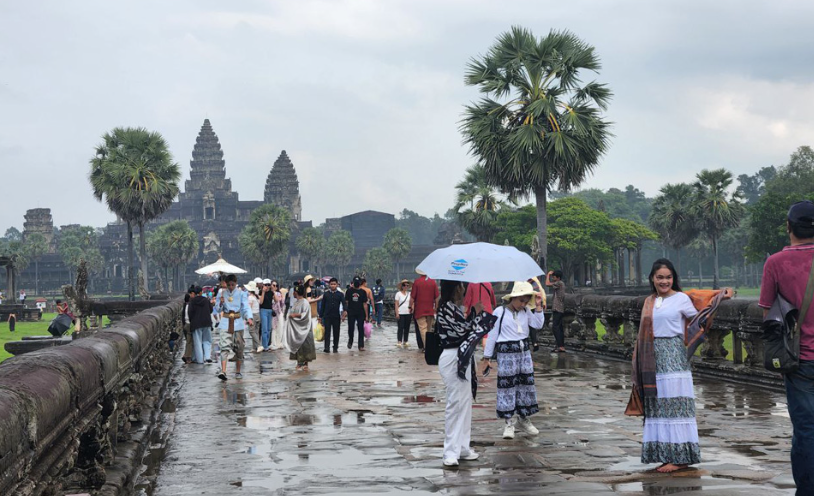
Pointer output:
508, 342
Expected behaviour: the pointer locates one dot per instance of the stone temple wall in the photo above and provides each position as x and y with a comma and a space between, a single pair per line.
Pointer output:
78, 418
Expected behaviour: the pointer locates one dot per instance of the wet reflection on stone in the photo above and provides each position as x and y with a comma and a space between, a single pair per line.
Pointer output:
373, 423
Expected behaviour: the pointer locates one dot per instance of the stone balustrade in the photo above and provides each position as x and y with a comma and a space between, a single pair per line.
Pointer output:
77, 418
620, 316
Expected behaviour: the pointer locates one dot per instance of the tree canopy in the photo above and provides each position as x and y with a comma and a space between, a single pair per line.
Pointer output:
266, 235
377, 263
538, 126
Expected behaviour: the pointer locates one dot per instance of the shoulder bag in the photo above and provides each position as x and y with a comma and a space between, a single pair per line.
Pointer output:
781, 331
432, 345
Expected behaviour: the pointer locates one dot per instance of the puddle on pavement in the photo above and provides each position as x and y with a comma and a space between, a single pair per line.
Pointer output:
400, 400
298, 420
235, 398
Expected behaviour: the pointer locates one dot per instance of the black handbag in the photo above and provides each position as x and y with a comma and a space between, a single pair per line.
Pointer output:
432, 346
781, 331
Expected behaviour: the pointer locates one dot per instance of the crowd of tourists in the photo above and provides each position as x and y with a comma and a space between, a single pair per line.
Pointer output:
466, 317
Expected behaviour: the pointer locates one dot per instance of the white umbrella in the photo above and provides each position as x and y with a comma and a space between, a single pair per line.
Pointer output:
479, 262
221, 266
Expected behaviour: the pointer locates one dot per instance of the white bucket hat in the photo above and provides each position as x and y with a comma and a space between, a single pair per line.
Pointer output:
520, 288
251, 287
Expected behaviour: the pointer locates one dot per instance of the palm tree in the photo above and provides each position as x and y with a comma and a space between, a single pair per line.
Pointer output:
397, 243
340, 250
480, 202
172, 246
36, 246
134, 172
377, 263
672, 217
538, 126
715, 209
266, 235
311, 244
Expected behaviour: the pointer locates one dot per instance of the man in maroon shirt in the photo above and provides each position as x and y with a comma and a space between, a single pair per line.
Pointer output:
786, 273
423, 301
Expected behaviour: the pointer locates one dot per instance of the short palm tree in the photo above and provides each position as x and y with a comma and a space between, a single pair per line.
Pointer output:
539, 126
267, 234
133, 172
715, 209
672, 216
478, 204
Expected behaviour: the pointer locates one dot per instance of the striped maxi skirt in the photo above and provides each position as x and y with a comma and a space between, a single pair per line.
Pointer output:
670, 431
516, 393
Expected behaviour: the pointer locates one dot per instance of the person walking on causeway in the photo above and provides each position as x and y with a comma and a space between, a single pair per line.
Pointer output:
508, 343
232, 304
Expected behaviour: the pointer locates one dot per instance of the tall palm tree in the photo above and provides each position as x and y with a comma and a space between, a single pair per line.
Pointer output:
538, 126
36, 246
133, 172
716, 209
311, 244
397, 243
672, 217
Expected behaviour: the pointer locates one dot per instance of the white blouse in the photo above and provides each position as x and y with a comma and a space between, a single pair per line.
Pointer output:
670, 316
514, 327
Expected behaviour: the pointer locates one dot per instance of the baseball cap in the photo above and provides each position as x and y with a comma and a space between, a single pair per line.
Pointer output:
266, 281
802, 212
357, 280
258, 280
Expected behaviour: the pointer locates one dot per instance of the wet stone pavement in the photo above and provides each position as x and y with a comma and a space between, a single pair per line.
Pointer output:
372, 423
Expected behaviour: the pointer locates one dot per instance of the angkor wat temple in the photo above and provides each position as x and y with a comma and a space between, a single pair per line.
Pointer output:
215, 212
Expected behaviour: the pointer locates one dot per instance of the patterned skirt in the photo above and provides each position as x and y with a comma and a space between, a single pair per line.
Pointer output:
670, 432
516, 393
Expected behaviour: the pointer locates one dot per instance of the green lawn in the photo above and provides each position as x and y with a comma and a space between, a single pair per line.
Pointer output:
27, 329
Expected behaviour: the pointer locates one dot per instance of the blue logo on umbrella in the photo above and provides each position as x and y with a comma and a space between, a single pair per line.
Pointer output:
459, 264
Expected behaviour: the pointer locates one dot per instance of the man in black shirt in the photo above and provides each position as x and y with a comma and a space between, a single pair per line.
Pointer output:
356, 311
330, 313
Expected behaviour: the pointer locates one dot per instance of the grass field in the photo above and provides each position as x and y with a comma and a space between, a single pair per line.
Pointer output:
26, 329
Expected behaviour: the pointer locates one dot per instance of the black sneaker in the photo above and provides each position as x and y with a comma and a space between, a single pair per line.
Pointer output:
350, 345
336, 350
209, 360
222, 376
326, 350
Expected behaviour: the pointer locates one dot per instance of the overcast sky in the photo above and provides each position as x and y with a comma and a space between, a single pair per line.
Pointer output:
366, 95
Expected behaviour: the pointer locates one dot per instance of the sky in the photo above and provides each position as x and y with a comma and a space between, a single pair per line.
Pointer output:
366, 96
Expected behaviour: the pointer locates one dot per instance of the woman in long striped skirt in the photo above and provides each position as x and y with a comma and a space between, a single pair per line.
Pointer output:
670, 430
508, 343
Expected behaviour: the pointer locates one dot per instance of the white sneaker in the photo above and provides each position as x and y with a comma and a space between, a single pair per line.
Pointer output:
398, 345
259, 349
450, 462
508, 432
469, 456
526, 426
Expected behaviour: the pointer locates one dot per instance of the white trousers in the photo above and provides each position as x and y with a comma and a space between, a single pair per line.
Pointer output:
458, 413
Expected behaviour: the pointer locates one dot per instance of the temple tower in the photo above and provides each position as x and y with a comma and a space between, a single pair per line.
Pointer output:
39, 220
283, 187
208, 194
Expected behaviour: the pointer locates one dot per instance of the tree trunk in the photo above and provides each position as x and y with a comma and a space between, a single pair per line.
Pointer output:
678, 256
131, 262
143, 254
715, 274
542, 226
36, 277
620, 259
639, 265
700, 276
398, 271
631, 266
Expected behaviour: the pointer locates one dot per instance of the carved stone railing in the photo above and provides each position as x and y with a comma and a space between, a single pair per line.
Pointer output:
620, 315
77, 418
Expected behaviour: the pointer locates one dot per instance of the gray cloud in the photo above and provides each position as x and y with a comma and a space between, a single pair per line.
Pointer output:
366, 95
